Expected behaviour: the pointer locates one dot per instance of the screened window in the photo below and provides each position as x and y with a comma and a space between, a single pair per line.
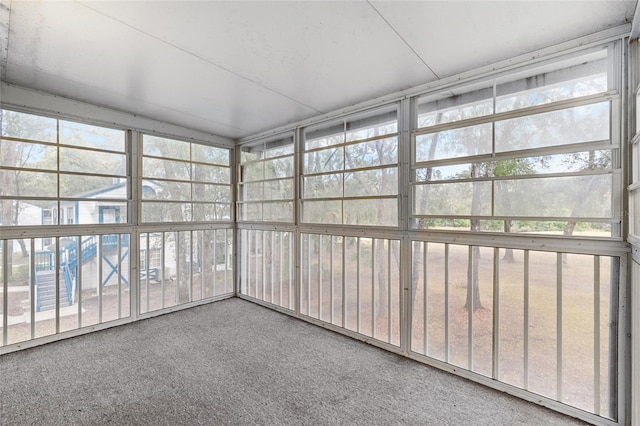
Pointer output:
350, 171
56, 172
265, 189
533, 154
184, 182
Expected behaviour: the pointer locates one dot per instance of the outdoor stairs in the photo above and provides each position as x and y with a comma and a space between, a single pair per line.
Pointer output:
47, 290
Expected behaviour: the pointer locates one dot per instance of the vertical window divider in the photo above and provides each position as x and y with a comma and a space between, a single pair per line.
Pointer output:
214, 254
358, 298
447, 325
308, 263
559, 325
119, 266
177, 292
292, 277
79, 280
57, 280
425, 320
5, 290
332, 281
320, 276
525, 370
32, 290
280, 266
226, 257
596, 333
263, 255
344, 282
373, 288
134, 156
471, 277
389, 294
272, 252
496, 314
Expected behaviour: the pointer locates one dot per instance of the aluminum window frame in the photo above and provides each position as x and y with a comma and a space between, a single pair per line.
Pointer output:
192, 201
343, 121
59, 199
613, 144
274, 142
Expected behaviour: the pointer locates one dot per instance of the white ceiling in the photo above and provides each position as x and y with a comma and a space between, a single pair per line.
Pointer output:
238, 68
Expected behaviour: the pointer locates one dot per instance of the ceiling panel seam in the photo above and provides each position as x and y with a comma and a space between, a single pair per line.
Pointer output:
403, 40
200, 58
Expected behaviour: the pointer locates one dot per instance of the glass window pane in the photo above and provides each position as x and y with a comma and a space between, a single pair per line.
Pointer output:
175, 191
322, 211
87, 186
20, 183
323, 186
251, 211
168, 148
248, 154
252, 191
374, 212
574, 78
79, 160
209, 154
87, 212
207, 212
279, 151
30, 212
323, 161
558, 163
212, 174
372, 153
371, 182
384, 123
278, 212
27, 126
166, 212
459, 107
571, 196
464, 199
211, 193
278, 168
89, 136
27, 155
463, 142
324, 137
278, 189
168, 169
252, 172
586, 123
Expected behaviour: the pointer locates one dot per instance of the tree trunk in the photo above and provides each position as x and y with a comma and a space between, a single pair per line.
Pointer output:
508, 253
473, 287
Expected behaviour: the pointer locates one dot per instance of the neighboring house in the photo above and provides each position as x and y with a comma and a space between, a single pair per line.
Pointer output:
99, 207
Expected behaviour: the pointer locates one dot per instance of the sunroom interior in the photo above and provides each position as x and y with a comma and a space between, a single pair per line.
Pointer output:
453, 182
